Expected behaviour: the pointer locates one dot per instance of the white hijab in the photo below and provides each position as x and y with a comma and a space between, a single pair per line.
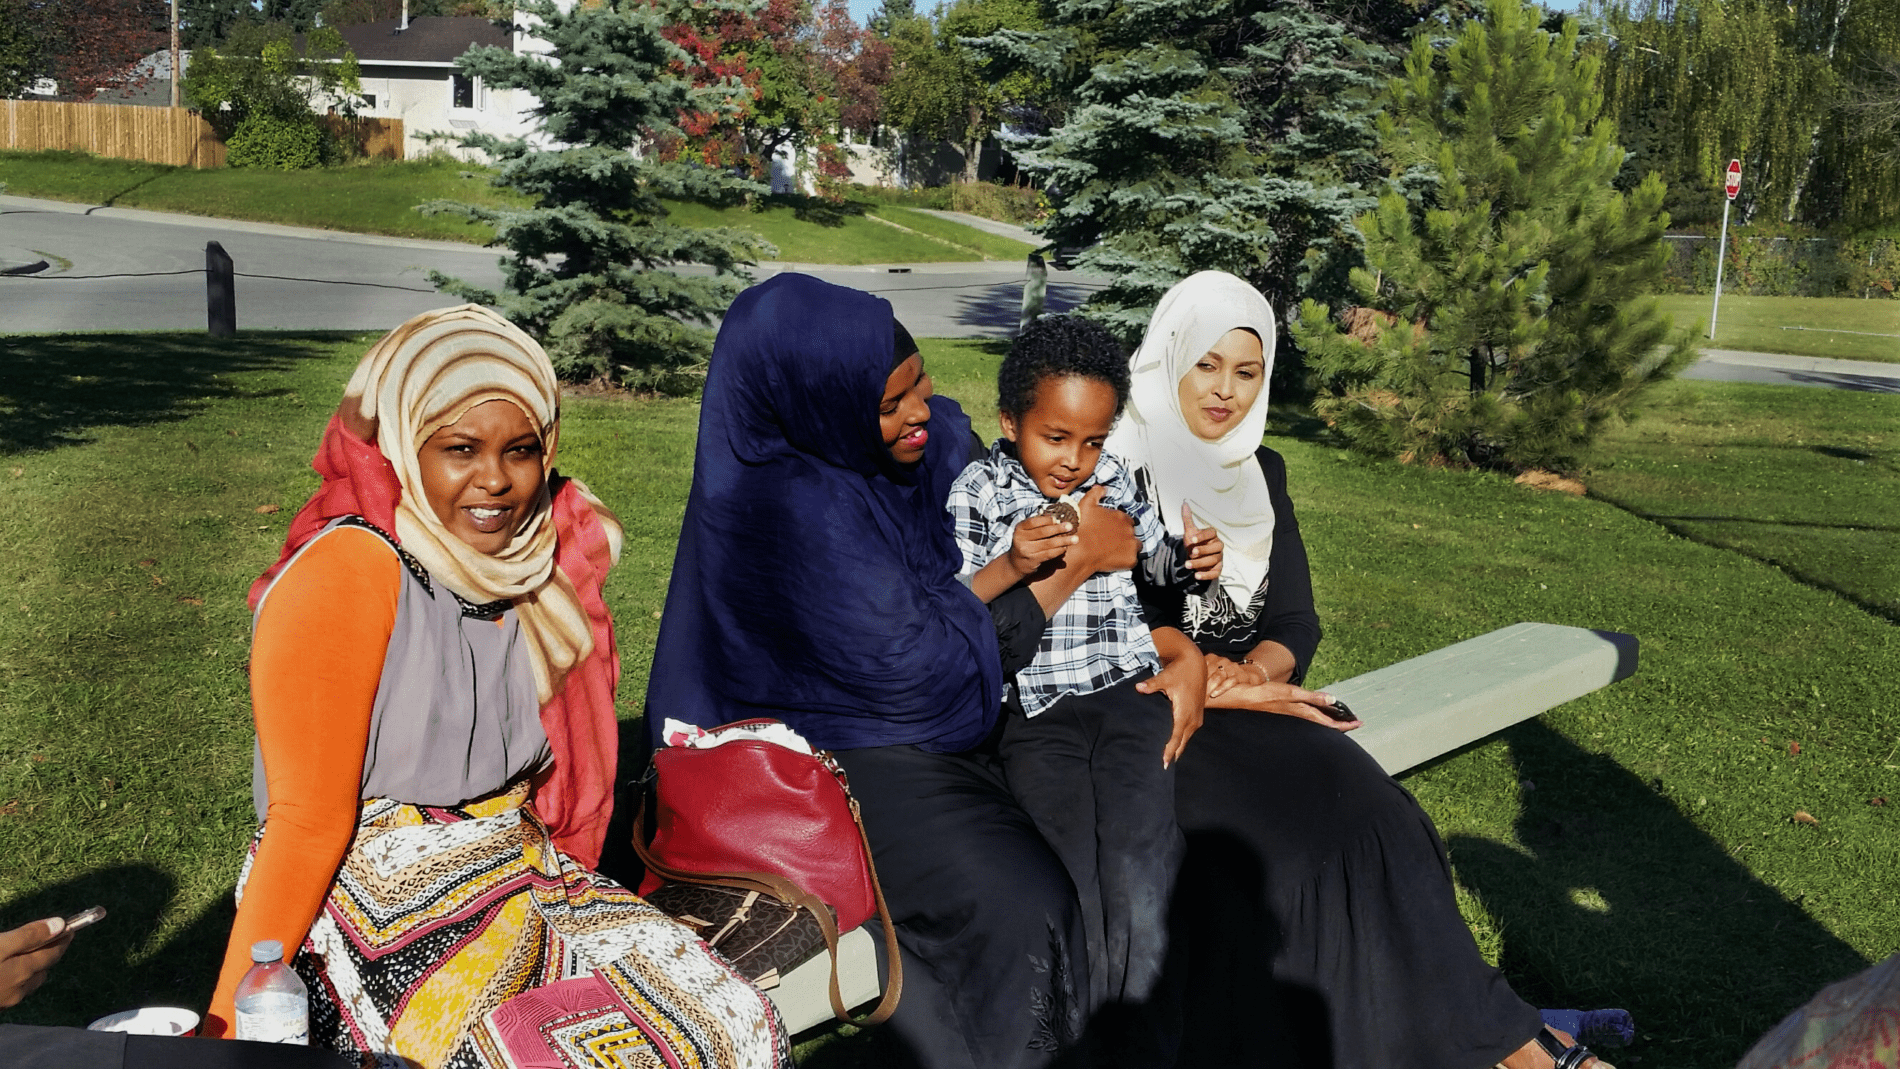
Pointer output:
1219, 480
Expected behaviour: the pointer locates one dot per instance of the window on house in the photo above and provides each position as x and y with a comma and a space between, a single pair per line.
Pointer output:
462, 90
369, 101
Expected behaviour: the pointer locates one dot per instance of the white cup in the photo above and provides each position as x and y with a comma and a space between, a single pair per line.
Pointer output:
150, 1021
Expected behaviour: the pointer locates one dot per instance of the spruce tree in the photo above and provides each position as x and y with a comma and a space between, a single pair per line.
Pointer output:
1191, 135
589, 266
1503, 313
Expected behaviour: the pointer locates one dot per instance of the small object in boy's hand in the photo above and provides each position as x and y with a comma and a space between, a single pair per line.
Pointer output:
1062, 509
1338, 711
86, 919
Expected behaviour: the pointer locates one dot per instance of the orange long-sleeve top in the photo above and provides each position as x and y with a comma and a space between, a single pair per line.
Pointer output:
316, 661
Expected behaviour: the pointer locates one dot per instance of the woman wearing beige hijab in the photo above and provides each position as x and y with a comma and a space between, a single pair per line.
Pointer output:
433, 673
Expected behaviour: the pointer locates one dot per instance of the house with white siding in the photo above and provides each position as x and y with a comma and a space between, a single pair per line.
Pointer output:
408, 72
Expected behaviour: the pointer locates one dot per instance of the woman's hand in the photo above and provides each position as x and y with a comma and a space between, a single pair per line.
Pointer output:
1223, 675
1037, 541
1183, 679
1107, 537
1282, 698
1204, 549
26, 954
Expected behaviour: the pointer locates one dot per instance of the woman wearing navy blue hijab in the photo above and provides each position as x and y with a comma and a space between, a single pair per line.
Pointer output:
815, 583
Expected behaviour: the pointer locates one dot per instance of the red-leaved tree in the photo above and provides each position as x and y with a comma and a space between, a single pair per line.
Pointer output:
808, 75
94, 46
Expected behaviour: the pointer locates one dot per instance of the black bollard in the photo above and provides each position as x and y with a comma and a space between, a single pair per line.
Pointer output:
1035, 290
220, 292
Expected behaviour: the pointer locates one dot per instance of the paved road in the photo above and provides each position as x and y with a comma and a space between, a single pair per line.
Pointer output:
125, 269
1729, 365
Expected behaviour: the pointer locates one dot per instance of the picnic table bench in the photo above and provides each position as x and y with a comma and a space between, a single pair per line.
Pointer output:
1414, 710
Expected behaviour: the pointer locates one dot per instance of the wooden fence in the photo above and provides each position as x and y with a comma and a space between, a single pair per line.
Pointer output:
378, 139
174, 136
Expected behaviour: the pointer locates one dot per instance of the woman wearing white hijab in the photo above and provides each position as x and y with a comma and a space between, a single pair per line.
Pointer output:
1305, 862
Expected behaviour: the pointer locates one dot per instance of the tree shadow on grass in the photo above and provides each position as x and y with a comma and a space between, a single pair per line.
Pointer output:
1620, 900
816, 209
108, 967
55, 388
1692, 527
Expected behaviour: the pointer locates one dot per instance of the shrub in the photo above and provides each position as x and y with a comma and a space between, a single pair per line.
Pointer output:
1021, 205
280, 144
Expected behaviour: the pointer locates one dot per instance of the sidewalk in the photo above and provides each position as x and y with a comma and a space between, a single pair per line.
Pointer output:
1731, 365
989, 226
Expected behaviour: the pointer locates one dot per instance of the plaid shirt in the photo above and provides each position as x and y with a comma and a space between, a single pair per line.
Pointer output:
1097, 638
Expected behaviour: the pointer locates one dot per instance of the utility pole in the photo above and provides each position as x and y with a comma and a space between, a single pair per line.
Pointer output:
175, 63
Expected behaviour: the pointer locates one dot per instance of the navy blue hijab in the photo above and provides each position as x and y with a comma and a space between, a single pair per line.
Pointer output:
816, 577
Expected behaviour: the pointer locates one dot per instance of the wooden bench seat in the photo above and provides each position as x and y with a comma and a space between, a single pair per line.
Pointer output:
1413, 711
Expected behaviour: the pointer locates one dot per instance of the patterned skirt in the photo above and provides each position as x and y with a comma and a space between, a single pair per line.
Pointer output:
438, 916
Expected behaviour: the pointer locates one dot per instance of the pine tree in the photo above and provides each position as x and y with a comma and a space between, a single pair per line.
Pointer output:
1503, 317
1193, 136
588, 265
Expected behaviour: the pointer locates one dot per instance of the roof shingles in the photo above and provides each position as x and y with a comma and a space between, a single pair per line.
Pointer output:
429, 39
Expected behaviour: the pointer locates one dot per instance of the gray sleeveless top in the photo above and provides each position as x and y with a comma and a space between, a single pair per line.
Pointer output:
455, 715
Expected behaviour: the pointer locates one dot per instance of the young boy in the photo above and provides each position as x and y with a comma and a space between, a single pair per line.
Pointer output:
1084, 751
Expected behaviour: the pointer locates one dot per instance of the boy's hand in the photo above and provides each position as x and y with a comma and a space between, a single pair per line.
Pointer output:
1038, 540
1204, 549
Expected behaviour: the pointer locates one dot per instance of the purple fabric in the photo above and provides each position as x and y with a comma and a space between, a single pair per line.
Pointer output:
816, 578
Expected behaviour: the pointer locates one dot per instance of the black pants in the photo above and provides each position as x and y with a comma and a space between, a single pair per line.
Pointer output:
1088, 770
995, 974
34, 1047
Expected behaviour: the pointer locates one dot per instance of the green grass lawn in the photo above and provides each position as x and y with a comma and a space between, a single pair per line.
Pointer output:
368, 198
1654, 866
381, 199
1800, 479
1841, 327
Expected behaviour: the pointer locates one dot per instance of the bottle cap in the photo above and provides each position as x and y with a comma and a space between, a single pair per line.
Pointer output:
267, 950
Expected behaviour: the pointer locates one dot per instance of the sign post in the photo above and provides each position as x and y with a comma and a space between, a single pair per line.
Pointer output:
1732, 184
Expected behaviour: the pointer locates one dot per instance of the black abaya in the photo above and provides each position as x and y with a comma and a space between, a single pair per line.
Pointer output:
1314, 918
1314, 874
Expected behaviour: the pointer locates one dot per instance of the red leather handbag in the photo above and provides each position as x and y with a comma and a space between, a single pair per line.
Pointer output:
756, 815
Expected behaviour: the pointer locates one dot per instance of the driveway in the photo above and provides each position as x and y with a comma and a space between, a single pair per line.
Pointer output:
126, 269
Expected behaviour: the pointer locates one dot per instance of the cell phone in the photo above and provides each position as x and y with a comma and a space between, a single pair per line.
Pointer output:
87, 919
1339, 711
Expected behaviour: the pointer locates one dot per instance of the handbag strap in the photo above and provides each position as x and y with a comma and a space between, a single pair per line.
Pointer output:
786, 891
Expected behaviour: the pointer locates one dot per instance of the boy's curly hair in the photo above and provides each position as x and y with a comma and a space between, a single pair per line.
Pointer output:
1057, 347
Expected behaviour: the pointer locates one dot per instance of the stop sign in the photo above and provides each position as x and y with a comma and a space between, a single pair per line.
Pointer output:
1734, 182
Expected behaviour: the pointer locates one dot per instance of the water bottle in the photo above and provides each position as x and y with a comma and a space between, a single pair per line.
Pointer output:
273, 1006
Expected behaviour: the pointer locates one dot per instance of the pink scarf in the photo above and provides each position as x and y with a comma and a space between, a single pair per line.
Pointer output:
575, 796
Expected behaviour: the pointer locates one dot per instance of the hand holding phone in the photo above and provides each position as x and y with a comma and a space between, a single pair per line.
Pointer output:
1339, 711
85, 919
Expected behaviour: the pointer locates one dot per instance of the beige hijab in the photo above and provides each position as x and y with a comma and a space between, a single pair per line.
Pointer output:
1218, 480
425, 375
